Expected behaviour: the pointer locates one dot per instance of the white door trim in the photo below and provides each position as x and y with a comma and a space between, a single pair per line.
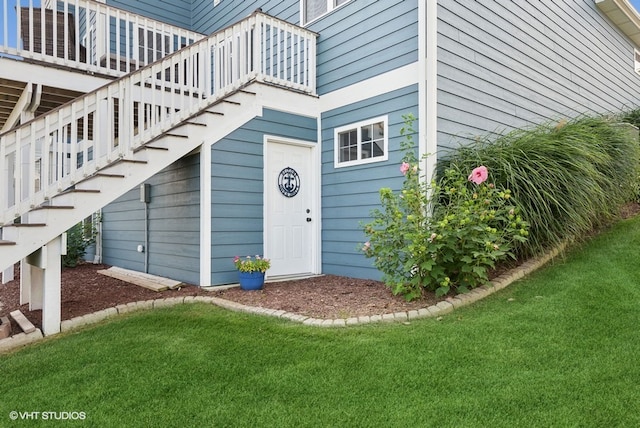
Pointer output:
316, 242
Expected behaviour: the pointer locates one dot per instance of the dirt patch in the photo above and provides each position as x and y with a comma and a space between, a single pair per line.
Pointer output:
84, 291
327, 296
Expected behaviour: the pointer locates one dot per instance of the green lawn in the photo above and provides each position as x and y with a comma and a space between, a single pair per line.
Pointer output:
557, 349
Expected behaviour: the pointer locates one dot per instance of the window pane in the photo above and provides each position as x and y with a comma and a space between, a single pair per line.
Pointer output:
348, 146
378, 130
377, 149
378, 139
366, 150
366, 132
339, 2
314, 8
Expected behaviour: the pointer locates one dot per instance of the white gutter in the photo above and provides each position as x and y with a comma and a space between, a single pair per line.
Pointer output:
624, 16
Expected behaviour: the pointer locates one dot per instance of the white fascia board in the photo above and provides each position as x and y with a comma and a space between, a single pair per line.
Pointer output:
378, 85
21, 71
624, 16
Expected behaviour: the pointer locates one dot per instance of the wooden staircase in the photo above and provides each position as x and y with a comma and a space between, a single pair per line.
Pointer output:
59, 213
67, 164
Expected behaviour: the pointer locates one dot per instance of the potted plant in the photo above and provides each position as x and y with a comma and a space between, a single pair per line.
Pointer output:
251, 271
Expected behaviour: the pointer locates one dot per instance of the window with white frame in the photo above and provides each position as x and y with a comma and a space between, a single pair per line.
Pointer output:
362, 142
636, 60
312, 9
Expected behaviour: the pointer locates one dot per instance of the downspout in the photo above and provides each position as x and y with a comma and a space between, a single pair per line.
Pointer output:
146, 237
97, 258
428, 85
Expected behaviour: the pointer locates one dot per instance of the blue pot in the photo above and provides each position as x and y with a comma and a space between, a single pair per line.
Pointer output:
251, 280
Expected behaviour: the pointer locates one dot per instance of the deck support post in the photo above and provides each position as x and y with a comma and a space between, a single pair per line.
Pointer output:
40, 283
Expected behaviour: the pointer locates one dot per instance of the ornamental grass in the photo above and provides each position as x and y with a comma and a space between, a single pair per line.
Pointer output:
566, 177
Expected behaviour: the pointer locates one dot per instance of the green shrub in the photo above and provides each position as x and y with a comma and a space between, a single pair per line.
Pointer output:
79, 237
453, 244
566, 177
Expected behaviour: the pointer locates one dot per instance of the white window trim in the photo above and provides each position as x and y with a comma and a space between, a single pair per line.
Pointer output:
330, 8
636, 60
215, 2
358, 126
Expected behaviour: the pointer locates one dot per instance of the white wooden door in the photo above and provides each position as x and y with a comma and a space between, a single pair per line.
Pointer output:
289, 195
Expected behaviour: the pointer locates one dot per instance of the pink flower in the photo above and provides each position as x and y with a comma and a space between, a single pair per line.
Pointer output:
404, 168
366, 246
479, 175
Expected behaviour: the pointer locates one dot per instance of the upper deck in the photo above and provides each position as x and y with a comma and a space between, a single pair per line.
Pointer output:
74, 46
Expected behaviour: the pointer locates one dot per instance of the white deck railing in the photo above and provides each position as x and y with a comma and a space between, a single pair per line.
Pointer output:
52, 152
86, 35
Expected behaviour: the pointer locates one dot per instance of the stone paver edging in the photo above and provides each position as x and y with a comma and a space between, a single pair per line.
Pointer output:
441, 308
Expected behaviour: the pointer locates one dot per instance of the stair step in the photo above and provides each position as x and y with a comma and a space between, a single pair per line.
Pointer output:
217, 113
26, 225
171, 134
22, 321
195, 123
247, 92
3, 242
80, 191
231, 102
104, 174
146, 147
53, 207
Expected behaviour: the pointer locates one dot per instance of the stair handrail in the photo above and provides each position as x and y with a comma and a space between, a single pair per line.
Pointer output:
49, 154
88, 35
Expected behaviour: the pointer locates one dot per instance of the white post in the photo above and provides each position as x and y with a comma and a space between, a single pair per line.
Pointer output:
25, 283
429, 123
205, 214
7, 275
51, 296
44, 269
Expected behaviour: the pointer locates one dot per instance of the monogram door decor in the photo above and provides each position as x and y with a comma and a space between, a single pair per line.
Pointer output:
289, 182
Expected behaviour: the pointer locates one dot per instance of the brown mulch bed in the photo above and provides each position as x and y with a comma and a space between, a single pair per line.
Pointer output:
85, 291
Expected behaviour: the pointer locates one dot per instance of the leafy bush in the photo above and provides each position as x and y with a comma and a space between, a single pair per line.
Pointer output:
420, 243
566, 177
79, 237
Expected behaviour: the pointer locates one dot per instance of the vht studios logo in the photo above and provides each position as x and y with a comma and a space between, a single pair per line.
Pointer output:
289, 182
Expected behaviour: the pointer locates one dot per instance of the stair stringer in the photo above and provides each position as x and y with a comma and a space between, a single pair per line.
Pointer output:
66, 209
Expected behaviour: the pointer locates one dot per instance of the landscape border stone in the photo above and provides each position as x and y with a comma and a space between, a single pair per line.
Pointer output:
437, 310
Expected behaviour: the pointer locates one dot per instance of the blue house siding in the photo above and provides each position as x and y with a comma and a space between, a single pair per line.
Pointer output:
350, 193
237, 188
176, 12
123, 231
363, 39
174, 221
208, 18
173, 224
511, 64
